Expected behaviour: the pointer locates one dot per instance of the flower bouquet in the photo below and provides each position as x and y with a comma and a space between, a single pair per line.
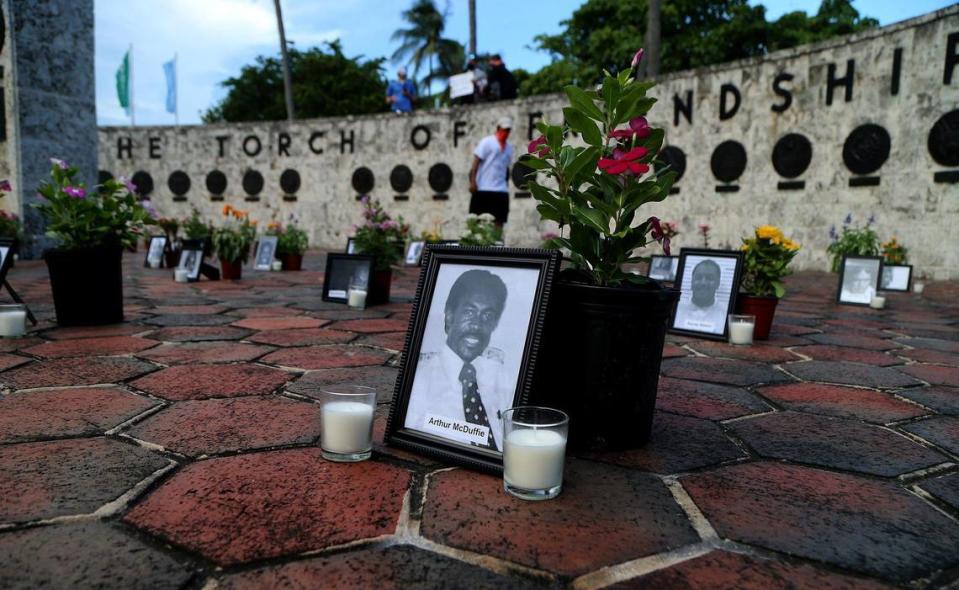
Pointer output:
233, 241
766, 258
383, 238
481, 230
291, 244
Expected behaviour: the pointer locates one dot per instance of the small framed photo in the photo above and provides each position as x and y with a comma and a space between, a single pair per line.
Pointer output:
470, 351
154, 258
663, 268
896, 277
858, 279
6, 256
343, 270
351, 245
191, 258
265, 253
708, 281
414, 251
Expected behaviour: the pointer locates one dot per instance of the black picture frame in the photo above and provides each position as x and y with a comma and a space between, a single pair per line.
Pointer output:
414, 252
191, 258
888, 281
444, 266
849, 293
7, 246
350, 246
339, 269
652, 271
265, 253
680, 321
152, 254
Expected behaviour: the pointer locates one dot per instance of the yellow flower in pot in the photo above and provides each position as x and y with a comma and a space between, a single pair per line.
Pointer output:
766, 258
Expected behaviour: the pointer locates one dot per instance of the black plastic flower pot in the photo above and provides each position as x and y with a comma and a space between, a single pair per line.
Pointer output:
87, 285
600, 360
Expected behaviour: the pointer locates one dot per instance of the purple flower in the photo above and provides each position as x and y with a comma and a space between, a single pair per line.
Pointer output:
389, 224
832, 233
637, 57
61, 164
365, 199
5, 186
130, 186
75, 191
847, 220
872, 218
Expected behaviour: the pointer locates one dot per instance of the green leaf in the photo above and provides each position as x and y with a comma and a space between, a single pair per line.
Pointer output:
584, 125
583, 103
593, 218
611, 92
779, 288
585, 161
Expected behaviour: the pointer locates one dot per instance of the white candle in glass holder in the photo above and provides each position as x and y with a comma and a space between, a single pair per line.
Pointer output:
13, 323
533, 458
357, 299
181, 275
740, 333
918, 287
877, 302
347, 427
277, 265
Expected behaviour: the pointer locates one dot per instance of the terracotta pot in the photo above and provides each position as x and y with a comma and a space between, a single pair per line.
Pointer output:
291, 261
764, 308
380, 287
232, 270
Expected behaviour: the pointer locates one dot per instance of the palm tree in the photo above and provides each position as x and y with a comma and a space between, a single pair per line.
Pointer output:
423, 42
652, 40
287, 83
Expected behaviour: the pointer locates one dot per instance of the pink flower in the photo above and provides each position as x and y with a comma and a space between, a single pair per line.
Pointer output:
5, 186
638, 127
637, 57
61, 164
126, 182
75, 191
389, 224
658, 233
704, 227
625, 162
538, 146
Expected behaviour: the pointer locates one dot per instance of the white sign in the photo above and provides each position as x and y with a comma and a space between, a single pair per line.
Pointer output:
461, 85
457, 430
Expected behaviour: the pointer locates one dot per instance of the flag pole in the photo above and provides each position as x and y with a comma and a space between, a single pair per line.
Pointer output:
176, 89
133, 120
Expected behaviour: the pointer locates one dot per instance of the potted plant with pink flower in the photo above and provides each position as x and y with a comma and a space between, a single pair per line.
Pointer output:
382, 237
606, 327
93, 228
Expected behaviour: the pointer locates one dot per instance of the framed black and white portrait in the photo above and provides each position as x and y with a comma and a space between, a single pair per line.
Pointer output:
414, 251
265, 253
6, 256
191, 258
342, 270
896, 277
663, 268
858, 279
350, 246
470, 350
708, 281
154, 257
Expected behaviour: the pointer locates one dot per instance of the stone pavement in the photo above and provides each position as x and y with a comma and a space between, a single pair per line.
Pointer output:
179, 449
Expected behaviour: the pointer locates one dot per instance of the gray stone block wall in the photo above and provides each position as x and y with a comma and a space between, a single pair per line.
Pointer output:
911, 195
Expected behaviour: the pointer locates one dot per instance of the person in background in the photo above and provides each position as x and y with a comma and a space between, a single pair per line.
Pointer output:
400, 93
500, 85
488, 175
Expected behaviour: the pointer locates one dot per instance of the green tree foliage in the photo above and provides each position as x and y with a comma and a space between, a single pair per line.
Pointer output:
325, 84
422, 43
605, 33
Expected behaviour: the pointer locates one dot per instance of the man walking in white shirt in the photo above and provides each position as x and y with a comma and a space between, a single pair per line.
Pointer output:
489, 173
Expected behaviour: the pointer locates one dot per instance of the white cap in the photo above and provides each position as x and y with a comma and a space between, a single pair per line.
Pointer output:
401, 71
505, 123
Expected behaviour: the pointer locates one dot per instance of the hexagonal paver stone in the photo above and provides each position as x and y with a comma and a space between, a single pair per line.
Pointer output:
78, 476
945, 488
371, 326
844, 402
862, 525
111, 345
741, 373
198, 334
854, 340
15, 344
823, 352
935, 357
677, 443
57, 413
74, 371
204, 352
845, 373
757, 352
835, 442
350, 314
94, 331
931, 344
268, 504
706, 400
188, 309
302, 337
202, 381
281, 323
939, 430
383, 379
605, 515
721, 570
390, 568
326, 357
86, 555
213, 426
934, 374
944, 400
266, 312
189, 319
9, 361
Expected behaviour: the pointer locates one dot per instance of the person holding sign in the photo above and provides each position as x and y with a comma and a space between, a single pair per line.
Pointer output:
461, 390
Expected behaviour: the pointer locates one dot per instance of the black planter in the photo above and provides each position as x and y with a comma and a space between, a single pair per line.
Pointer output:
600, 359
87, 285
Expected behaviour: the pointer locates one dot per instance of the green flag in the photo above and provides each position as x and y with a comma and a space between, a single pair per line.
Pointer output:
123, 82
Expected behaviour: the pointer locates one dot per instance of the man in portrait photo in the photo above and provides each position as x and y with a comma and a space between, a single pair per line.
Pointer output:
662, 268
858, 282
265, 254
465, 381
703, 312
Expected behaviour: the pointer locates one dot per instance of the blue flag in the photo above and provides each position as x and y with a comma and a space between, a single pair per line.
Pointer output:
169, 68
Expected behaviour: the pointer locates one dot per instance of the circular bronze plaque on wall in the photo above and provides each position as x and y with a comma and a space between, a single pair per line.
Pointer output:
729, 161
866, 149
792, 155
363, 180
441, 177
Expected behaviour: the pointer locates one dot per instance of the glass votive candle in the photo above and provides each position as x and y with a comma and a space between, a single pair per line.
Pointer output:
877, 302
356, 294
276, 265
534, 451
181, 275
918, 287
741, 328
346, 429
13, 320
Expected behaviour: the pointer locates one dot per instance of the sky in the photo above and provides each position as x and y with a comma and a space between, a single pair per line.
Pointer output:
213, 39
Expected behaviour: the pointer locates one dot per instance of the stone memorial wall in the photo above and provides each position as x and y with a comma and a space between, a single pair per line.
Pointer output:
867, 125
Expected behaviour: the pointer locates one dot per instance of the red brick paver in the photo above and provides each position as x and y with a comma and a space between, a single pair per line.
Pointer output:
203, 381
110, 345
74, 371
204, 352
845, 402
326, 357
